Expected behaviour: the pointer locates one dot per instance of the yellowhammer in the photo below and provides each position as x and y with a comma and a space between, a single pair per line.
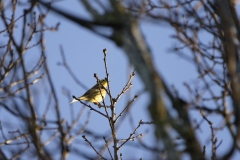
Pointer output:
94, 94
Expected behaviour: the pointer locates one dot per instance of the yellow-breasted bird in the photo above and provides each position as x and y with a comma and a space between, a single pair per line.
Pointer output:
94, 94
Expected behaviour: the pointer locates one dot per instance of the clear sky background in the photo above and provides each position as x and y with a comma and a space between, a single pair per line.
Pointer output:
83, 51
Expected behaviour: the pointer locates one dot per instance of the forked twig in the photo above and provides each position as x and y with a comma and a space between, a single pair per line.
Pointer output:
84, 137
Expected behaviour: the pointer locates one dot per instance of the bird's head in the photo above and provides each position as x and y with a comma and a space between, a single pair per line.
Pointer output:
104, 82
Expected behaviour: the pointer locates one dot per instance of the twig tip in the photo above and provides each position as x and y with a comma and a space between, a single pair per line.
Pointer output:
104, 50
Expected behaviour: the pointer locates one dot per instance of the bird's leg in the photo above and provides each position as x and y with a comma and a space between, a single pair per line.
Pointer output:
98, 104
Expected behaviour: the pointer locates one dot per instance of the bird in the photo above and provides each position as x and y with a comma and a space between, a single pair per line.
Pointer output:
94, 95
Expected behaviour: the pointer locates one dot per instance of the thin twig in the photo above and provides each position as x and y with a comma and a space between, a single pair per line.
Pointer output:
91, 108
106, 144
84, 137
65, 64
130, 136
126, 87
128, 105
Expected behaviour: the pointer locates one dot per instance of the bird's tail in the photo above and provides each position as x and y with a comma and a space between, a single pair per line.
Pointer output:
74, 100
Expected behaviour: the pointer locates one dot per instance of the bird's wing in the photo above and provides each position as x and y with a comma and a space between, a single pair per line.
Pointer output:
94, 91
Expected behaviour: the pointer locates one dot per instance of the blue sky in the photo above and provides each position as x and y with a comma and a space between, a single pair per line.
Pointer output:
83, 51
